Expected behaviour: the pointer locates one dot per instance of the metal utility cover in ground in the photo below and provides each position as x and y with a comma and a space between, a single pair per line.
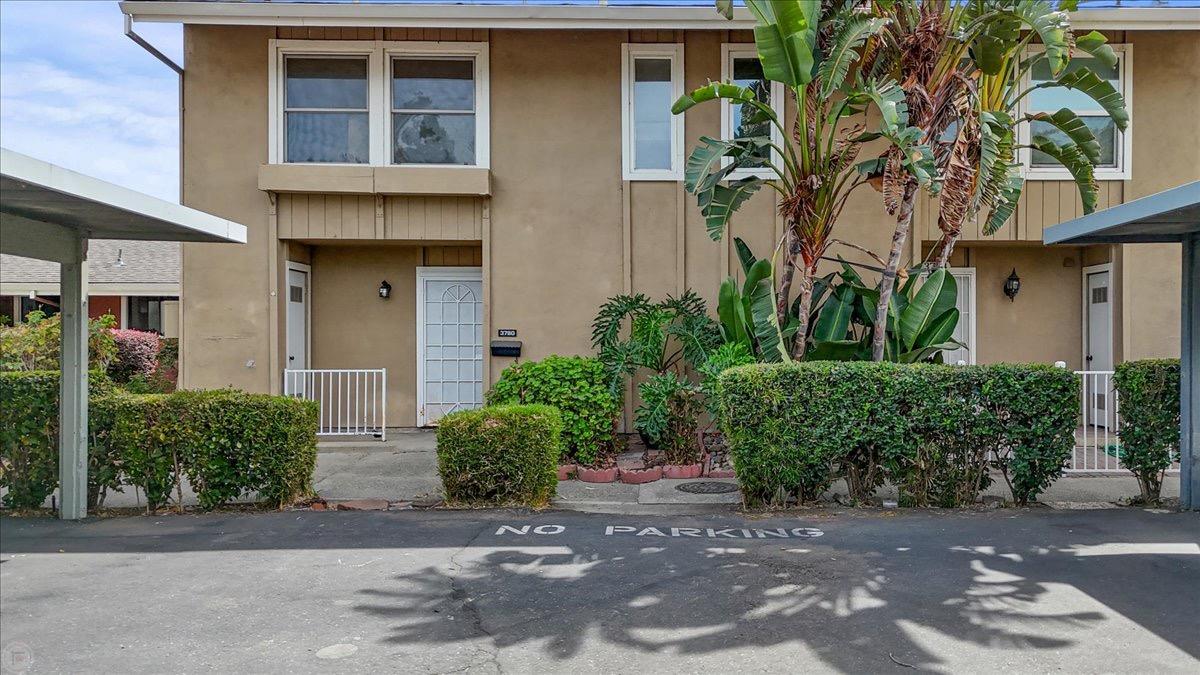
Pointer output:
50, 213
1169, 216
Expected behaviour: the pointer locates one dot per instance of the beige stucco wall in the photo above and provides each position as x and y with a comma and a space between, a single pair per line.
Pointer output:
1166, 153
562, 231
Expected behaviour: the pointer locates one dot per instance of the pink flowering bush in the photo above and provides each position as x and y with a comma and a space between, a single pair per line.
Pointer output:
137, 354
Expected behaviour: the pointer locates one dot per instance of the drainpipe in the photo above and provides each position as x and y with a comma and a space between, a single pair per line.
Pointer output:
154, 51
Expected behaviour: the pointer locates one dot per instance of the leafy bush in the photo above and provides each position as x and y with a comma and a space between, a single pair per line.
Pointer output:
36, 343
29, 434
578, 387
1149, 392
137, 354
668, 415
933, 431
500, 454
226, 443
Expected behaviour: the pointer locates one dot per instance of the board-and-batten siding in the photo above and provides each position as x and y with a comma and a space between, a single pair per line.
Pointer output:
1044, 203
318, 216
350, 33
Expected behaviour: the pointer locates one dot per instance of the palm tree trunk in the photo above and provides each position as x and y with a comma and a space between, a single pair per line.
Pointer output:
785, 275
946, 247
888, 281
800, 341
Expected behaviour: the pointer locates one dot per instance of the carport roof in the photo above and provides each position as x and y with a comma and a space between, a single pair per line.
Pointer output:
1166, 216
39, 191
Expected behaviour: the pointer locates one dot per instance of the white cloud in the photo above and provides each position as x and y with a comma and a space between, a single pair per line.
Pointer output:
76, 92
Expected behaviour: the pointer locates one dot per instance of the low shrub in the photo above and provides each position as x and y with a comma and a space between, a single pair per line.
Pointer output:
579, 387
29, 434
933, 431
227, 443
504, 454
136, 354
1149, 396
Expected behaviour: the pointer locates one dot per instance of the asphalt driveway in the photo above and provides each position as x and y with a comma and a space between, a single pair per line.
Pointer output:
475, 591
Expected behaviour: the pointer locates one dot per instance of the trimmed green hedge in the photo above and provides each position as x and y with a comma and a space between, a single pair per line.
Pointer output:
1149, 396
933, 431
29, 434
226, 443
500, 454
579, 387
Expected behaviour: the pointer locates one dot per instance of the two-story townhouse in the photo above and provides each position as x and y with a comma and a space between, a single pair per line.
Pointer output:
420, 179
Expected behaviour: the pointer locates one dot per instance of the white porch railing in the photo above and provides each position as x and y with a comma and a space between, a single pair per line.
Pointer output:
1097, 445
353, 402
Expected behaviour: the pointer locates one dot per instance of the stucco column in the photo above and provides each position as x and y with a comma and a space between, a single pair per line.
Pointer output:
1189, 380
73, 385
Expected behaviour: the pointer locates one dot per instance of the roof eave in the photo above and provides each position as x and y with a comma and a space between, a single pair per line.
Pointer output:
382, 15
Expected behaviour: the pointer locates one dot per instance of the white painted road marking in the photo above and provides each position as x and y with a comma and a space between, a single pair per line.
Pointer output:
1125, 548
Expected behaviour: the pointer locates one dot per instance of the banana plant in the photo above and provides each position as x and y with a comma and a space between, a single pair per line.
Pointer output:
747, 315
814, 50
920, 326
963, 64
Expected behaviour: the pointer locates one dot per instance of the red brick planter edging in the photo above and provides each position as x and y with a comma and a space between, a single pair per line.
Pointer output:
682, 471
567, 471
639, 476
590, 475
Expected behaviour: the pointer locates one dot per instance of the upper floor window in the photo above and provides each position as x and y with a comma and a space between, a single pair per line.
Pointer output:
1115, 145
326, 110
741, 66
433, 111
379, 103
652, 78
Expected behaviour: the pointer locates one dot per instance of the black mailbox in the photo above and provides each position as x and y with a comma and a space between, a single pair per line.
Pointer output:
506, 347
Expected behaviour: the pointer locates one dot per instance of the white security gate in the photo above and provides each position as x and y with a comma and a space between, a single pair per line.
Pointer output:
449, 341
353, 402
1097, 446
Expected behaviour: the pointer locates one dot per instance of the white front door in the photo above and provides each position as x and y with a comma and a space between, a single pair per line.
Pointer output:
1098, 338
449, 341
297, 317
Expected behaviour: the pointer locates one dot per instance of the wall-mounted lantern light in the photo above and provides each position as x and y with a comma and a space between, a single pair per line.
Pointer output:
1012, 285
385, 290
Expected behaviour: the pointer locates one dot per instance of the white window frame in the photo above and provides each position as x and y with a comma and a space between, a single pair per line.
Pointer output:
1124, 168
629, 53
478, 52
972, 322
729, 52
379, 55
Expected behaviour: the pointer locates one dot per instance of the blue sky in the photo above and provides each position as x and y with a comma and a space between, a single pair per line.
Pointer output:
76, 92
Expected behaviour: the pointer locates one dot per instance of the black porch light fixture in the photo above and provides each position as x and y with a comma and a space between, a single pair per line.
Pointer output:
1012, 285
385, 290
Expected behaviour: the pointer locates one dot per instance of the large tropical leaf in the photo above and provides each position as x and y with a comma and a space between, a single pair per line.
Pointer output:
836, 350
744, 254
711, 91
731, 313
706, 166
834, 319
937, 295
1097, 45
847, 41
1052, 26
719, 204
1082, 170
995, 43
785, 35
766, 321
760, 270
1100, 91
1009, 194
1066, 121
940, 329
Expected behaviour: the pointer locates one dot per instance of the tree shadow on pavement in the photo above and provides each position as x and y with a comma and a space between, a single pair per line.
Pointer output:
857, 610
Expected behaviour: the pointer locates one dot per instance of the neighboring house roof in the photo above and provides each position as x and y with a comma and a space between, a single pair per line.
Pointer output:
153, 264
629, 14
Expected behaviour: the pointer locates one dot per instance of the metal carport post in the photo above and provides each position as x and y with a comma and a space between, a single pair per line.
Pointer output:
1169, 216
50, 213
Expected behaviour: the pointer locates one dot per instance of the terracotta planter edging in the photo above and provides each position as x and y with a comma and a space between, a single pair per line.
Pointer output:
567, 471
682, 471
590, 475
639, 476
